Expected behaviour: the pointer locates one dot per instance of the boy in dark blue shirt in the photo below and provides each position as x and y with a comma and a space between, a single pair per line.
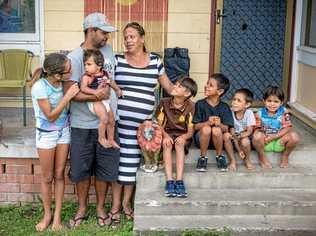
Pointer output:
212, 118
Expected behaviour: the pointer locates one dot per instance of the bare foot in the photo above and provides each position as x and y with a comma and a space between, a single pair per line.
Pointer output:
232, 166
57, 226
105, 143
249, 165
284, 162
114, 144
264, 163
44, 223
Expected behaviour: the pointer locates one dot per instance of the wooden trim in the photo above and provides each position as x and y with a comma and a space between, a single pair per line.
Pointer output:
212, 38
288, 48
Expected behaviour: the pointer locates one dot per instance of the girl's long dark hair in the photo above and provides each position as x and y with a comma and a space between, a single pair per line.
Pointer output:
54, 63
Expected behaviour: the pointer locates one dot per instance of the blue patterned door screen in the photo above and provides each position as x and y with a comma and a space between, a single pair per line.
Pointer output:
253, 34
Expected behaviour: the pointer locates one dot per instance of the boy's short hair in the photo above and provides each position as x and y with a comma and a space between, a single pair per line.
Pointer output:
247, 93
95, 54
222, 82
273, 91
189, 84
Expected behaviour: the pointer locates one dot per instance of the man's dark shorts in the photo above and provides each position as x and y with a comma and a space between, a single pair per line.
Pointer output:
88, 157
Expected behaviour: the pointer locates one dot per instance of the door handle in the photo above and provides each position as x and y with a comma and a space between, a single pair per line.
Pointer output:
219, 14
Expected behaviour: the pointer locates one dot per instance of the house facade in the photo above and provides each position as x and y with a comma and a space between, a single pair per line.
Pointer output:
255, 43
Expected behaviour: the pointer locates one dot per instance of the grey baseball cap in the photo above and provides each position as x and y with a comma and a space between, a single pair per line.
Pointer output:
98, 20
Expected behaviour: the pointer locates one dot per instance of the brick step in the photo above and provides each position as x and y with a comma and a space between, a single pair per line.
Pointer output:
228, 202
294, 177
239, 225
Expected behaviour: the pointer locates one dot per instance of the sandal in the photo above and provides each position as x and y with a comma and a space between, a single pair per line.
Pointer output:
102, 219
129, 215
77, 219
112, 221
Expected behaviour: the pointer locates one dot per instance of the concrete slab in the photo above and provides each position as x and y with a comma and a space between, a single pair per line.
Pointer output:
228, 202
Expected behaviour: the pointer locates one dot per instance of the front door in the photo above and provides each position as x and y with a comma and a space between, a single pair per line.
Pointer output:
252, 43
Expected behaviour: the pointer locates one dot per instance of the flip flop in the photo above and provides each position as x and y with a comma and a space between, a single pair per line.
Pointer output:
112, 221
129, 215
103, 219
75, 221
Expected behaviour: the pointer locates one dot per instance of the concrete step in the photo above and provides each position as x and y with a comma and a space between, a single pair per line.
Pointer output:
294, 177
302, 156
239, 225
228, 202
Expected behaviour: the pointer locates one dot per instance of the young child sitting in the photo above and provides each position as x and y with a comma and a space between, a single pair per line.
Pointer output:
274, 128
175, 115
211, 120
244, 122
93, 78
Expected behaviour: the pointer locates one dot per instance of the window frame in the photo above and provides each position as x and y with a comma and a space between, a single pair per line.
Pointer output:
25, 37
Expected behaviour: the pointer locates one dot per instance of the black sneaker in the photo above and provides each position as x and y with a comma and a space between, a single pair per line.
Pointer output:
180, 189
170, 189
201, 164
221, 163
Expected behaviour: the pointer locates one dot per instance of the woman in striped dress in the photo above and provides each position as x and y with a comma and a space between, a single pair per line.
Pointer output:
137, 74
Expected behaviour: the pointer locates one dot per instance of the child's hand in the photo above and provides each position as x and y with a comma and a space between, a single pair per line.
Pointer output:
268, 139
167, 141
180, 140
211, 120
217, 121
119, 93
72, 91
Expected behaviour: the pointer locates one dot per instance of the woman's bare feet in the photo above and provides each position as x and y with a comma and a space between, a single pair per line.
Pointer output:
284, 162
44, 223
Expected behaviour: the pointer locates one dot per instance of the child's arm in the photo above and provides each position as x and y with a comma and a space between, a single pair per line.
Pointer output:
46, 107
247, 132
286, 128
116, 88
84, 85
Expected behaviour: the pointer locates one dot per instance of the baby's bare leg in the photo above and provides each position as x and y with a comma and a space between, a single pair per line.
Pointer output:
110, 130
102, 114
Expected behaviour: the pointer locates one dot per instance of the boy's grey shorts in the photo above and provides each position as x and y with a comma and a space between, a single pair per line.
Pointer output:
88, 157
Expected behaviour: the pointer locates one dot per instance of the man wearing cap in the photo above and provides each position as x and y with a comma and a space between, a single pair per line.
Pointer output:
87, 156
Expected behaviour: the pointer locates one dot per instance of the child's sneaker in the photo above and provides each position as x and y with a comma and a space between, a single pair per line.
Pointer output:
170, 189
221, 163
180, 189
201, 164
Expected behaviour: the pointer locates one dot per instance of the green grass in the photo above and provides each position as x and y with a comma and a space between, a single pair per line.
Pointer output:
21, 220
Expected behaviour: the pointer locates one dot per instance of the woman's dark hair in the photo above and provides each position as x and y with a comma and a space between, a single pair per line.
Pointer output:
189, 84
54, 63
140, 30
247, 94
95, 54
222, 82
273, 91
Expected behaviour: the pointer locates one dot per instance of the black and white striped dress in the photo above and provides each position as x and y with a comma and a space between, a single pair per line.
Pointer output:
137, 105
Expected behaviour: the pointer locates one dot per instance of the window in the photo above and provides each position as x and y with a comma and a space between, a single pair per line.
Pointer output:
310, 33
18, 20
